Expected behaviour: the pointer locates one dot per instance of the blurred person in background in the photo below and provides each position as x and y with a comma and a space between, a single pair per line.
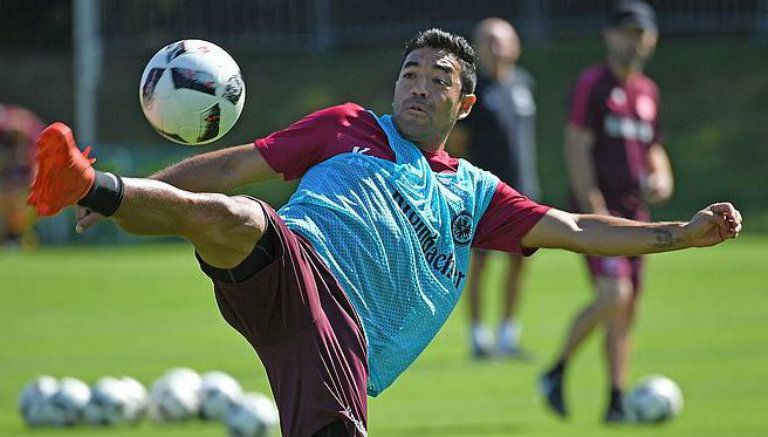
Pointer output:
19, 129
617, 166
501, 138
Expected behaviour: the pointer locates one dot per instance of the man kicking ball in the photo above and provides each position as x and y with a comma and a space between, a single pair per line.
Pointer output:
342, 288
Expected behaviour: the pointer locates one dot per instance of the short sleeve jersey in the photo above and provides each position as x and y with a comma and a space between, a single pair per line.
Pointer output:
502, 130
393, 223
624, 117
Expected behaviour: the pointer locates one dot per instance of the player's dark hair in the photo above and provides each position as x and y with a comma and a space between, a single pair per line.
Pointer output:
454, 44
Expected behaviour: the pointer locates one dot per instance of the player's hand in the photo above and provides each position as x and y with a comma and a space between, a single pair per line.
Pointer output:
656, 189
713, 225
85, 219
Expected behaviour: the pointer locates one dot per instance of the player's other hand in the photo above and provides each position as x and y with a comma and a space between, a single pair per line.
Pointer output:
85, 219
656, 188
713, 225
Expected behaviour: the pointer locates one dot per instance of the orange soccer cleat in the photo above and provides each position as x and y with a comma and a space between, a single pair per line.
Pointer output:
64, 173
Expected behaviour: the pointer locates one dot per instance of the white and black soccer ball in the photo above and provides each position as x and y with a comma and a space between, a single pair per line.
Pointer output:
655, 399
254, 416
110, 403
138, 399
68, 404
219, 391
175, 396
183, 375
34, 401
192, 92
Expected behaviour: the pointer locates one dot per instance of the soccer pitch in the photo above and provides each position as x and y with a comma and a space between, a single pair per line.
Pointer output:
88, 312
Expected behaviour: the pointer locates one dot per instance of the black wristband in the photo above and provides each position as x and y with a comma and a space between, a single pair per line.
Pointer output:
105, 195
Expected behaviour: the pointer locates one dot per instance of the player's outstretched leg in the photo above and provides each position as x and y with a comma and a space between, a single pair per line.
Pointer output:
224, 230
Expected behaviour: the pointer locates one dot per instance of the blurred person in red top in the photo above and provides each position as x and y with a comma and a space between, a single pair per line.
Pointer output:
617, 166
19, 130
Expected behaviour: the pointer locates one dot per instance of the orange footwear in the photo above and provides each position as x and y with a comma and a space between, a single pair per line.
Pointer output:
64, 173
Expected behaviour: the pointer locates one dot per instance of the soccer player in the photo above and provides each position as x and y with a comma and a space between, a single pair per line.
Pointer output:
617, 166
19, 129
344, 287
501, 137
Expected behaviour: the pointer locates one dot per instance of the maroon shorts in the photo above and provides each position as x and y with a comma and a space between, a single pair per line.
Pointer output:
618, 267
306, 332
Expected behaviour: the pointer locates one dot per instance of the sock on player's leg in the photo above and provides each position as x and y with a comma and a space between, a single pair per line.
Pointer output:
482, 340
551, 386
508, 339
105, 195
616, 398
559, 368
615, 411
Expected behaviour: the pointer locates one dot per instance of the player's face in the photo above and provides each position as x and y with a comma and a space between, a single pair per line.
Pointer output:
631, 46
497, 43
428, 98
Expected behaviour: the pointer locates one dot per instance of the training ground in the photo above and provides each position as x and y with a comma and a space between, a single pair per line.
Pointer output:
139, 310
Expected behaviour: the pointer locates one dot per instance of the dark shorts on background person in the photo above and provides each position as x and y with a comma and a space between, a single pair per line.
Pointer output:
305, 330
618, 267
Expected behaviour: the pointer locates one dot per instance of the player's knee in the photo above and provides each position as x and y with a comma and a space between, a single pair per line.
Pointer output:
225, 229
229, 219
615, 294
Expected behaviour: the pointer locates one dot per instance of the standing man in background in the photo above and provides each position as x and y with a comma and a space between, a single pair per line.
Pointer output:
501, 139
617, 166
19, 129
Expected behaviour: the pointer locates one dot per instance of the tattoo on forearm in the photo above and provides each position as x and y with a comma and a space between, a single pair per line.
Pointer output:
665, 239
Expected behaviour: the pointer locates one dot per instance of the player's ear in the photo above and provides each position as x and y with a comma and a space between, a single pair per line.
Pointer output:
465, 105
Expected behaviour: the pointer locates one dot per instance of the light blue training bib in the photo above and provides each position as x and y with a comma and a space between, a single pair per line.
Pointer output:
397, 237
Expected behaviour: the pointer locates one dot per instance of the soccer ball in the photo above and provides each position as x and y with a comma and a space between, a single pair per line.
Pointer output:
34, 401
175, 396
138, 399
656, 399
111, 403
68, 403
185, 376
218, 393
254, 416
192, 92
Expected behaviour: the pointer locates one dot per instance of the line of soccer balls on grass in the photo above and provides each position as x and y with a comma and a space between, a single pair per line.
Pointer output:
179, 395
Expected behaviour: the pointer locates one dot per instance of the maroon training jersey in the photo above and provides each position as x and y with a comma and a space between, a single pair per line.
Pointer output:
624, 117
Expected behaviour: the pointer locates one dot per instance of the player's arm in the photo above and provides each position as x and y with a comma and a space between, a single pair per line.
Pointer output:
659, 183
579, 142
613, 236
219, 171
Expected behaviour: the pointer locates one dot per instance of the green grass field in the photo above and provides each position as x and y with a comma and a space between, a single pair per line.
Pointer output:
90, 312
